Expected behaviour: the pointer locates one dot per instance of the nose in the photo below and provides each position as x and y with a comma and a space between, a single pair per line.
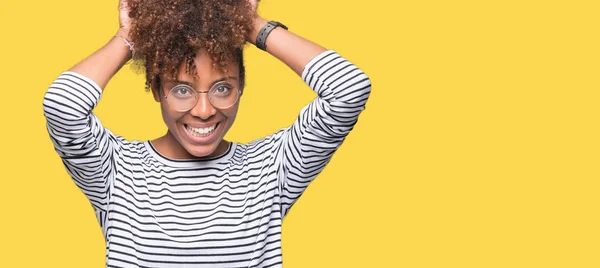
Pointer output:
203, 108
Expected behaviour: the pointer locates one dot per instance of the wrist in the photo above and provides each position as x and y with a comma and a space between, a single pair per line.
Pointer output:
124, 32
257, 23
118, 51
122, 37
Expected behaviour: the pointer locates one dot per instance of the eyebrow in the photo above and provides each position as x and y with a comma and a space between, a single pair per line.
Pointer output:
214, 82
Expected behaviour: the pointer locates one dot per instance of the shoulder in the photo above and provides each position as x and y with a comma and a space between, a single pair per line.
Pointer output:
129, 148
265, 144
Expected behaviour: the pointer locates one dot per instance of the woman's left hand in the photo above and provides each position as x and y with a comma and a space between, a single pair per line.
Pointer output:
257, 22
254, 4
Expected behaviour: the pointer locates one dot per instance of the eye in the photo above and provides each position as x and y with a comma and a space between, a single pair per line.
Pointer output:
182, 91
221, 90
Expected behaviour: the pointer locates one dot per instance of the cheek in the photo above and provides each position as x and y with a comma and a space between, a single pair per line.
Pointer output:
231, 113
168, 115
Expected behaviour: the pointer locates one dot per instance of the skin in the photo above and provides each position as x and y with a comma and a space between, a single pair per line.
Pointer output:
291, 49
175, 143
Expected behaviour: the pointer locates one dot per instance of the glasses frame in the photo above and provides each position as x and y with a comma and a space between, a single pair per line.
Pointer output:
197, 96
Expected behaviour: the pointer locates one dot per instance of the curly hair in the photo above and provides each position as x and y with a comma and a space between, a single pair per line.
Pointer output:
167, 32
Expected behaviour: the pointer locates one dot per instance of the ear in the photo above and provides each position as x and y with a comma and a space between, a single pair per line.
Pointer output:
156, 89
156, 95
242, 86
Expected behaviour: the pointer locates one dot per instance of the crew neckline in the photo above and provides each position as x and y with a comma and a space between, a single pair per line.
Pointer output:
190, 162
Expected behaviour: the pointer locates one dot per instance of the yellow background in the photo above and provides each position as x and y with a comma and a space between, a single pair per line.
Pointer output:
479, 146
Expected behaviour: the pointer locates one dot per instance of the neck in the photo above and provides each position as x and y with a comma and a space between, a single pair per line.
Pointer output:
170, 147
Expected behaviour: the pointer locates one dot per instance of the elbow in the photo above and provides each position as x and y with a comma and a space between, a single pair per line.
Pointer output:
357, 91
58, 104
51, 103
47, 102
364, 86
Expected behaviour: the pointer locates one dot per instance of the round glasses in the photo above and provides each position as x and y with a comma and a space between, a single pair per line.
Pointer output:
183, 98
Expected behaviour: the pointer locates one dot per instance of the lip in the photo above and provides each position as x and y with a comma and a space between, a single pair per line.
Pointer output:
202, 140
202, 125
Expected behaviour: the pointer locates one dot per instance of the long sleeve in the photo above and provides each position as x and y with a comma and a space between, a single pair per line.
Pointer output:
84, 145
321, 127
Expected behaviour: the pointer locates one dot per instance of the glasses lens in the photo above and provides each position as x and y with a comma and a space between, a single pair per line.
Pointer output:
182, 98
223, 95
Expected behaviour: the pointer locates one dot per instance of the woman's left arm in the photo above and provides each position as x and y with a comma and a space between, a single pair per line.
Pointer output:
291, 49
342, 92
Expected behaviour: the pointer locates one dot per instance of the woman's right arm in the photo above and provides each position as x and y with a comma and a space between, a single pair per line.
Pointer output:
86, 148
101, 66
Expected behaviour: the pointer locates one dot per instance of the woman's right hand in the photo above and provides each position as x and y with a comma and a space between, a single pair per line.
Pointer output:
124, 19
103, 64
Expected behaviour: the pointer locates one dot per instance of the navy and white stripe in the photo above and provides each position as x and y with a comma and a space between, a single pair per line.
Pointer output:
221, 212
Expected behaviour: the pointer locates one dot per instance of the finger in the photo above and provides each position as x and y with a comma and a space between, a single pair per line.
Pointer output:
123, 5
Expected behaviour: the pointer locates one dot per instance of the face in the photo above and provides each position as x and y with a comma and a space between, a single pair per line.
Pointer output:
199, 131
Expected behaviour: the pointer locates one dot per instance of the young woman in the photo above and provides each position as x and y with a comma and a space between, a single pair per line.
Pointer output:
191, 198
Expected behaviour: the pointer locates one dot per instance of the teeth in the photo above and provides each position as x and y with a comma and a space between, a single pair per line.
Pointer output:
201, 131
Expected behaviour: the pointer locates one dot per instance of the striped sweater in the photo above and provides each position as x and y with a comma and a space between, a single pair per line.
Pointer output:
220, 212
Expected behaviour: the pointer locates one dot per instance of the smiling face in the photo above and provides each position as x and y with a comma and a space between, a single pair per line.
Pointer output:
199, 132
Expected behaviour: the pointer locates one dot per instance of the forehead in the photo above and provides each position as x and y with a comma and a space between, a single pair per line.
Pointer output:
205, 69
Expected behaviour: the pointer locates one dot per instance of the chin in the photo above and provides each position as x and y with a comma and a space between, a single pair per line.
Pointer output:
200, 145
